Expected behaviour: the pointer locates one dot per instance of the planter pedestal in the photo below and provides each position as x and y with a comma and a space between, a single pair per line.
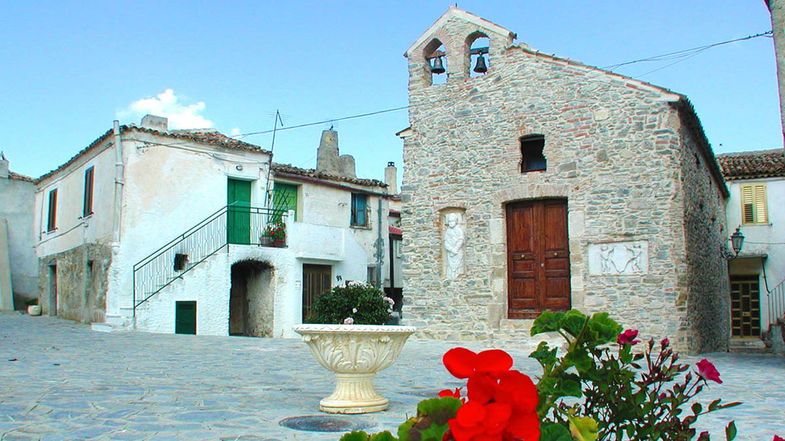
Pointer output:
355, 353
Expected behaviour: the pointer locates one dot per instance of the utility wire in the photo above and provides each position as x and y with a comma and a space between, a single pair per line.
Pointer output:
687, 53
343, 118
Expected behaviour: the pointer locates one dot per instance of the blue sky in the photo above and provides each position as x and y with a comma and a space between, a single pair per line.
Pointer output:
70, 68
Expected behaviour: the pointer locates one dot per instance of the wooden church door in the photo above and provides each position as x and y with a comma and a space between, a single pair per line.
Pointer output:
538, 258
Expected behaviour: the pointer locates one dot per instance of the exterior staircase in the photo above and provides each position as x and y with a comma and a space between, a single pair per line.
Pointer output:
773, 338
233, 224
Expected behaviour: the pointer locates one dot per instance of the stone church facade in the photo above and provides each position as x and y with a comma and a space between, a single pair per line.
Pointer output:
546, 184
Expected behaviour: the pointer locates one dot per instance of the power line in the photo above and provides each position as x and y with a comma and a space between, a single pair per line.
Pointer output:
686, 53
343, 118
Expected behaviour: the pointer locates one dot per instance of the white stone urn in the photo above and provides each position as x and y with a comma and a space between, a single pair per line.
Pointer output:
34, 310
355, 353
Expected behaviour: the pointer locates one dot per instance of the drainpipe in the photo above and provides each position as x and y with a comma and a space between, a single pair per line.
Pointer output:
379, 244
118, 183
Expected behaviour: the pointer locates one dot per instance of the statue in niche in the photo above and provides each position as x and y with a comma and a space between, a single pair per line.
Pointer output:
453, 245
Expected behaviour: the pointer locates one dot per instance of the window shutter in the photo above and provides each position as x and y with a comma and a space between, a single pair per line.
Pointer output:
51, 223
87, 206
760, 204
748, 211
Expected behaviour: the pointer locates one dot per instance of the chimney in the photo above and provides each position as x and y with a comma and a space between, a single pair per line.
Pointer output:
391, 178
327, 155
3, 166
155, 122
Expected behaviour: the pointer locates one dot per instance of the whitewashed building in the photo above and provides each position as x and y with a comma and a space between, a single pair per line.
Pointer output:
757, 276
18, 271
165, 231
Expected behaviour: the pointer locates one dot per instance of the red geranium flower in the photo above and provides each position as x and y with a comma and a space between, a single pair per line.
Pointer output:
707, 371
777, 438
628, 337
463, 363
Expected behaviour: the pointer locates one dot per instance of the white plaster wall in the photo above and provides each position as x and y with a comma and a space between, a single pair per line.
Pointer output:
169, 189
16, 206
73, 229
209, 284
761, 239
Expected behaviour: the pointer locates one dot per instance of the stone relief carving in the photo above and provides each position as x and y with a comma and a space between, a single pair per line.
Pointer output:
619, 258
454, 240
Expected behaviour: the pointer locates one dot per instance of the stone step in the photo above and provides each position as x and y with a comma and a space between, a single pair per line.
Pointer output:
102, 327
748, 345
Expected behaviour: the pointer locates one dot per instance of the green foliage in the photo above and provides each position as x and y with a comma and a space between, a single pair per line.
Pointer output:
365, 304
621, 394
430, 424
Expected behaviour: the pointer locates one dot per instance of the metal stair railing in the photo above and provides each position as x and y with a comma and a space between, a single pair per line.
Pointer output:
183, 253
776, 303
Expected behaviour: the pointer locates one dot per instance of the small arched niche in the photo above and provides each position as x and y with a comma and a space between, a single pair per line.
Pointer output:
477, 60
436, 58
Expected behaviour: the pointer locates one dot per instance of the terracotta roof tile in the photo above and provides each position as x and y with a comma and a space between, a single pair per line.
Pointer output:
753, 165
214, 138
311, 173
18, 177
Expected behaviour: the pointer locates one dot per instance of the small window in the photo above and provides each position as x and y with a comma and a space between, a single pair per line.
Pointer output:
753, 204
371, 279
87, 205
359, 217
51, 222
531, 150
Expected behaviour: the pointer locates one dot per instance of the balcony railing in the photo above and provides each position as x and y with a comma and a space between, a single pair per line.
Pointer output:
232, 224
776, 303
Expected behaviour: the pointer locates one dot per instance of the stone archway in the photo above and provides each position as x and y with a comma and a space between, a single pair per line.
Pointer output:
251, 299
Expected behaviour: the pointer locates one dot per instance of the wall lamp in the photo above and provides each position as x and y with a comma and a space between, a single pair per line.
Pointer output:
736, 242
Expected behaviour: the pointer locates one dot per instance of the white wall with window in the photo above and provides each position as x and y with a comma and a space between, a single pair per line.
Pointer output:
757, 206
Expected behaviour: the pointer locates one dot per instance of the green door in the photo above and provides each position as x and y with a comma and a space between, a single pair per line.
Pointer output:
284, 199
238, 221
185, 317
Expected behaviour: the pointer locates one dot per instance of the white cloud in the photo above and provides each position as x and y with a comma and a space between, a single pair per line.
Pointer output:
235, 131
166, 104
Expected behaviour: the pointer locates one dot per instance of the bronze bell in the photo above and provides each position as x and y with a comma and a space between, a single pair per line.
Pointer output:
480, 66
438, 66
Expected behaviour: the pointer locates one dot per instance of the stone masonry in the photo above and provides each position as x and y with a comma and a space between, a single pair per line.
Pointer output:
81, 283
630, 158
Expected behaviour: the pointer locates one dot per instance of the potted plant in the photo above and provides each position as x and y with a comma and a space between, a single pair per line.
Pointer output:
348, 337
274, 234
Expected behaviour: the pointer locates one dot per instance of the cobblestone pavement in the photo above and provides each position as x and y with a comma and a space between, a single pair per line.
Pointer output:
60, 380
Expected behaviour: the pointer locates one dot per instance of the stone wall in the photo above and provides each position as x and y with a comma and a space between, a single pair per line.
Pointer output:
613, 150
704, 294
81, 283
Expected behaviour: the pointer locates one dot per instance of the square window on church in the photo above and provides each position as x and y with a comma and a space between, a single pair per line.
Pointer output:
531, 152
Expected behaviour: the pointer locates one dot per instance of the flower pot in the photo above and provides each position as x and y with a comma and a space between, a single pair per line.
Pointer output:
280, 243
34, 309
354, 353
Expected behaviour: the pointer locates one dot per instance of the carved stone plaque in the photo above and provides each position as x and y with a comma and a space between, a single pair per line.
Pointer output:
619, 258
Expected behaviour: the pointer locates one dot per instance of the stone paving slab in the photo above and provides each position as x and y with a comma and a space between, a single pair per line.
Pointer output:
59, 380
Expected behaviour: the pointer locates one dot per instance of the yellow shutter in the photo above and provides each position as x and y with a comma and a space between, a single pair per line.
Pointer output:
747, 204
760, 204
753, 204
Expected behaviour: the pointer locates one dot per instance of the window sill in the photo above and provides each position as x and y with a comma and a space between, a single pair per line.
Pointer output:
360, 227
767, 224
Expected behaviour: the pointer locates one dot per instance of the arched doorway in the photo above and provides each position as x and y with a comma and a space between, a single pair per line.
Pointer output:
251, 299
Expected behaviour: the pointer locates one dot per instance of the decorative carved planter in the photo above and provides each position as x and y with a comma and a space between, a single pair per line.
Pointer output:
355, 353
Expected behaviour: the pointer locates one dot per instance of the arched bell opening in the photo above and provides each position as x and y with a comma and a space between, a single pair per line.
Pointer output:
436, 58
251, 299
477, 59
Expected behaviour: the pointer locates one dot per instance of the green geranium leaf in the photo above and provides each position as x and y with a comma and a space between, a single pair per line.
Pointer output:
554, 432
383, 436
697, 408
439, 410
569, 387
603, 328
583, 428
730, 431
405, 428
548, 321
434, 432
580, 359
573, 322
544, 354
355, 436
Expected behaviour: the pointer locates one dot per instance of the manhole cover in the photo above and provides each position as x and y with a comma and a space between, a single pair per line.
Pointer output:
319, 423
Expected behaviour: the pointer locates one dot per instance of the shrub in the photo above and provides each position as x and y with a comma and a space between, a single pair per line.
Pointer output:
354, 303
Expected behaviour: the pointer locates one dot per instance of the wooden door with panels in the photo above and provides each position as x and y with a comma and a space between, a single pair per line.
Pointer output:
538, 258
745, 306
